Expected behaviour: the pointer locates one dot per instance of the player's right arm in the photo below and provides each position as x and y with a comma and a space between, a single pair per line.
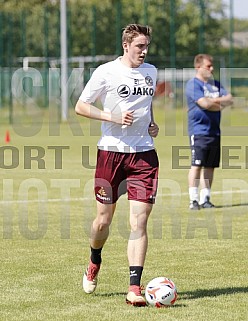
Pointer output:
90, 111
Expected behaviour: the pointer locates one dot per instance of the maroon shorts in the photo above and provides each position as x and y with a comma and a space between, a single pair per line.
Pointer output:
118, 173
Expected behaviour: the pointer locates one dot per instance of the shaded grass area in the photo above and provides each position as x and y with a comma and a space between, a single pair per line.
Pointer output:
46, 215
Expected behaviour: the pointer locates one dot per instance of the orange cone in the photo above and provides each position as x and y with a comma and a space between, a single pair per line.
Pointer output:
7, 137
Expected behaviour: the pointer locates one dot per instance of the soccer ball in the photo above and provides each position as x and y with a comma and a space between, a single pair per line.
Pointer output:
161, 292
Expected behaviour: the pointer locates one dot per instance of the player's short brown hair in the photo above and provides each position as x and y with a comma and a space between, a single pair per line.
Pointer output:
133, 30
199, 59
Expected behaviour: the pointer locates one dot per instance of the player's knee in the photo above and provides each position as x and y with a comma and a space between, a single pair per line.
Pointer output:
139, 224
103, 223
103, 226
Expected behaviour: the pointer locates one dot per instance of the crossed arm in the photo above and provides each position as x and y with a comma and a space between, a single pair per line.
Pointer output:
215, 104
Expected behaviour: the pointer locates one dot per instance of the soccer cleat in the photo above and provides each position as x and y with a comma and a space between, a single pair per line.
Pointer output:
207, 204
134, 296
90, 277
194, 205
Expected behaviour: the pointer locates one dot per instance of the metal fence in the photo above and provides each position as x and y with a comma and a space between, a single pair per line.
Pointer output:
29, 84
26, 92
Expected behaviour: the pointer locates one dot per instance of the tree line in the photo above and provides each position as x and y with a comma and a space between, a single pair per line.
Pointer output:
181, 28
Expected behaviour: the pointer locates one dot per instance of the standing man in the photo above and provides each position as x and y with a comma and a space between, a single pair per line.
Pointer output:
126, 158
205, 98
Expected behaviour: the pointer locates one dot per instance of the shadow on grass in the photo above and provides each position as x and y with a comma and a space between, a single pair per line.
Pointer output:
123, 294
202, 293
111, 294
191, 295
231, 205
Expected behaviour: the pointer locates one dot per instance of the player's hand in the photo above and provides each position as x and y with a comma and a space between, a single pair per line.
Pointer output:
127, 118
153, 130
124, 119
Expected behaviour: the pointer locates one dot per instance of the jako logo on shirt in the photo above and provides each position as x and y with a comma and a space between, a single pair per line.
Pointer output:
124, 91
143, 91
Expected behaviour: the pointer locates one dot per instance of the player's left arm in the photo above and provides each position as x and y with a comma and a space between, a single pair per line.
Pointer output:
224, 101
215, 104
153, 127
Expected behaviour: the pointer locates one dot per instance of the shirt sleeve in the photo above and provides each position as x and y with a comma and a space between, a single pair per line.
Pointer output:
94, 87
194, 90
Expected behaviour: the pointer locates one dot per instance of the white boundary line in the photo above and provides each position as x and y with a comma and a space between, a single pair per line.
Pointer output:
76, 199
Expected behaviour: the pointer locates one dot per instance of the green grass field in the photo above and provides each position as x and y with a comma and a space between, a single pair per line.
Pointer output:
47, 206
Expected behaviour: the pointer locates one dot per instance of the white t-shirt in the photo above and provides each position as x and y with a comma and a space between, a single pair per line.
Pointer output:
119, 89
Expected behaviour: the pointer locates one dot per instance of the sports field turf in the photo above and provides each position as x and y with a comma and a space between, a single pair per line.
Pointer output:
47, 206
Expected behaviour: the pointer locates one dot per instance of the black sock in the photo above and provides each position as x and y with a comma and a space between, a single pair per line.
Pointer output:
96, 257
135, 274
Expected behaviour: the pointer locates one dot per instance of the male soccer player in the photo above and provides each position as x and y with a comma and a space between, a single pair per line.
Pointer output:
126, 158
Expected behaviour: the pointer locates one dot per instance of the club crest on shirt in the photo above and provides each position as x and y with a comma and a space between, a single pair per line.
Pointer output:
149, 81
